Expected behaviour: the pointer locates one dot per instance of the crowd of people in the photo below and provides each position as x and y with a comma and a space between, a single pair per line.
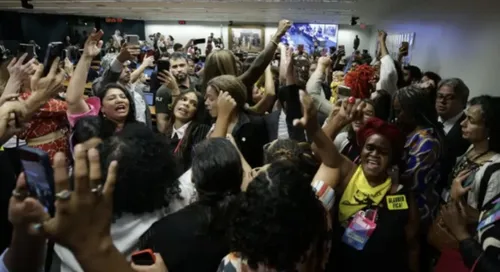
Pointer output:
279, 162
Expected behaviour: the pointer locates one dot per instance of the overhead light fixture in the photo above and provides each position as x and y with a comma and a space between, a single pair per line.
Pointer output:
25, 4
354, 20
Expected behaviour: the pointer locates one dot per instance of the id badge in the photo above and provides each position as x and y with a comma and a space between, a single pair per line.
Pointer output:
359, 231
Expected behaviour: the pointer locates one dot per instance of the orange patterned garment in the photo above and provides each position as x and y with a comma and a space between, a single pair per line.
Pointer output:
51, 117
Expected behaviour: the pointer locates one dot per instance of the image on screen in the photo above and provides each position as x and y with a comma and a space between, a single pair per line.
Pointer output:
321, 35
38, 182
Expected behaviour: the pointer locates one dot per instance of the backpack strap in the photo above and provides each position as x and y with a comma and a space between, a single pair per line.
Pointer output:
483, 187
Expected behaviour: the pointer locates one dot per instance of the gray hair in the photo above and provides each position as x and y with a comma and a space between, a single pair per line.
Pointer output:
459, 88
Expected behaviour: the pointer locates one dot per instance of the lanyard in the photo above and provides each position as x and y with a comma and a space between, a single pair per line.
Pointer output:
177, 148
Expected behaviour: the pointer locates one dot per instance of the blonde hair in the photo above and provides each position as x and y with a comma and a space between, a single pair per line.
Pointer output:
222, 62
233, 85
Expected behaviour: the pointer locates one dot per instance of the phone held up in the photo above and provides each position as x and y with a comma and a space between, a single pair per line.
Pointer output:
144, 257
132, 39
163, 65
54, 50
26, 48
39, 175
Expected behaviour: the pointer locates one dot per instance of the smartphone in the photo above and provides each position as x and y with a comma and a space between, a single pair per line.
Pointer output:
39, 175
163, 65
144, 257
132, 39
344, 91
200, 41
26, 48
54, 50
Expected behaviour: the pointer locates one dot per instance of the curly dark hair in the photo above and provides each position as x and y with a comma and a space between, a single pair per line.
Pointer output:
279, 219
287, 149
147, 175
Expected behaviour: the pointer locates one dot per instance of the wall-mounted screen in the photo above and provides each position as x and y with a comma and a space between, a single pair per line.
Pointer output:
312, 36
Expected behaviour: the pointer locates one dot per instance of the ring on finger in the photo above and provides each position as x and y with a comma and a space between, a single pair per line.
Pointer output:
97, 190
18, 195
63, 195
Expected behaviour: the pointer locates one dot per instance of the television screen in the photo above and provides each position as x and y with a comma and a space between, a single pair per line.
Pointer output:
314, 37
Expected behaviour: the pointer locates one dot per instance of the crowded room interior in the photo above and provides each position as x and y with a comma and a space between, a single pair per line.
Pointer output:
249, 136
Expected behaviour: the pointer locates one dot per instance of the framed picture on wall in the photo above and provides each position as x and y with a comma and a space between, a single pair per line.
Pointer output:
245, 38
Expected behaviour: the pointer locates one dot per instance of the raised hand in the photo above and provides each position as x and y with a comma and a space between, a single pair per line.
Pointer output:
10, 114
382, 35
325, 61
93, 44
128, 52
283, 26
168, 80
18, 70
309, 120
83, 217
148, 61
225, 104
49, 85
351, 110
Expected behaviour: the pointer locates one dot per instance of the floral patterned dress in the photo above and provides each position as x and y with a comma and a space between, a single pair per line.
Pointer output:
50, 118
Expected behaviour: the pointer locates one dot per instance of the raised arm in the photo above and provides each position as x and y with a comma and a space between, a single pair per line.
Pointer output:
334, 167
146, 62
76, 88
265, 57
270, 93
226, 106
18, 72
315, 87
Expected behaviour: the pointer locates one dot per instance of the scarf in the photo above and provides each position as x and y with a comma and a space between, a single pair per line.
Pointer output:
359, 194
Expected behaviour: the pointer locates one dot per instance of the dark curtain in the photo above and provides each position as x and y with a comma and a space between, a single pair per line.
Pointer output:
125, 27
45, 28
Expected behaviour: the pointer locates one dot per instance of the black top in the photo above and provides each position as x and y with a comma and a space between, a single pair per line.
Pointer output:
163, 97
250, 134
385, 250
185, 241
455, 147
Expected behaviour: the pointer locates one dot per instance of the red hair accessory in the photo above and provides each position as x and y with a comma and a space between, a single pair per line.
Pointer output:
389, 131
359, 81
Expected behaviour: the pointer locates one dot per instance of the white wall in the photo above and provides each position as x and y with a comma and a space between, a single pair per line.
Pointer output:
183, 33
454, 39
347, 34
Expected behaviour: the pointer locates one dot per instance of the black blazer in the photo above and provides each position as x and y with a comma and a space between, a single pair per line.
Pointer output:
455, 146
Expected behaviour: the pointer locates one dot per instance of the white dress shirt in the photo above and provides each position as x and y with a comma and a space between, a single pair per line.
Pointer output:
388, 75
180, 131
448, 124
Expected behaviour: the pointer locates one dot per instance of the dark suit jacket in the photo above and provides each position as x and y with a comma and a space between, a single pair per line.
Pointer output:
455, 146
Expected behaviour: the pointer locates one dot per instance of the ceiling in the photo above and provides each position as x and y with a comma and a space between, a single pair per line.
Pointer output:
256, 11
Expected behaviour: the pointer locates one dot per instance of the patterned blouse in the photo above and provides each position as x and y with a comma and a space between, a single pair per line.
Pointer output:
422, 154
50, 118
